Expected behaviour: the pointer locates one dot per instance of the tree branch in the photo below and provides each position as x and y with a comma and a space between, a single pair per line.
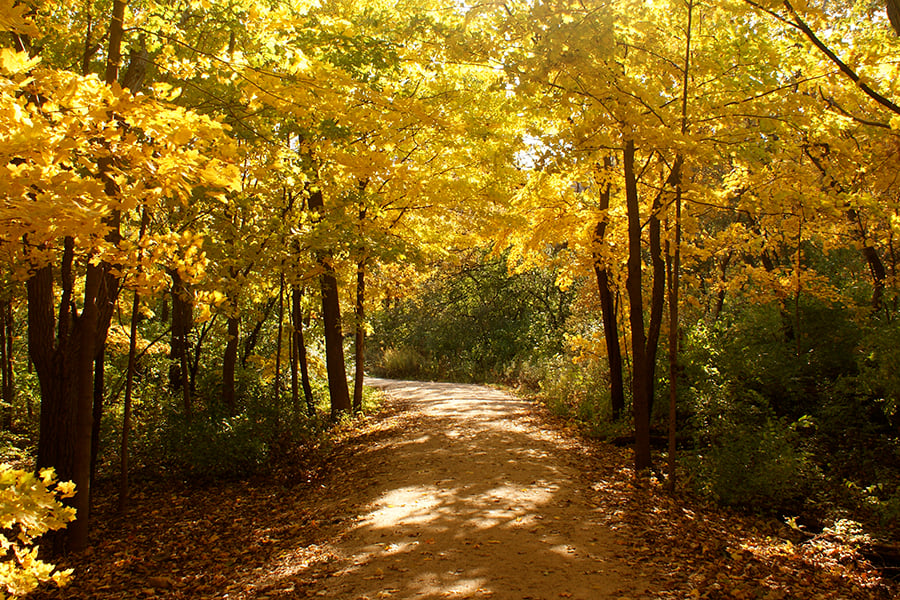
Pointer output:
800, 24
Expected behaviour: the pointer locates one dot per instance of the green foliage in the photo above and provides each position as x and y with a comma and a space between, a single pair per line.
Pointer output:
577, 391
30, 507
472, 322
402, 363
771, 416
748, 457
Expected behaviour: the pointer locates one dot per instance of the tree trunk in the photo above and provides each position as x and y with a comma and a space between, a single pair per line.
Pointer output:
300, 349
722, 268
294, 362
6, 358
277, 391
126, 412
673, 256
334, 343
130, 373
182, 322
641, 371
360, 343
331, 319
97, 408
229, 363
608, 308
65, 373
658, 290
251, 340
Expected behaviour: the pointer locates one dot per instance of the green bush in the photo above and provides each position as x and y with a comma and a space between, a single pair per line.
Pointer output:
402, 362
759, 467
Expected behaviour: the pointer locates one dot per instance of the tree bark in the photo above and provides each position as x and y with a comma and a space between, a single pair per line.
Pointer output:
126, 412
252, 339
334, 343
331, 318
229, 363
673, 255
182, 323
130, 373
277, 391
360, 342
641, 371
6, 358
608, 309
300, 349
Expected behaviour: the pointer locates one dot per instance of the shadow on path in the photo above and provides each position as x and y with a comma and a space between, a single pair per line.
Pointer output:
470, 500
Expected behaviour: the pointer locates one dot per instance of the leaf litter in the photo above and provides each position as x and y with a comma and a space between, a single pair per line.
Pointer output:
277, 537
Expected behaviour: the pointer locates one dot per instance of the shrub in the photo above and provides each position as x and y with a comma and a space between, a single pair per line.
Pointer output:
402, 362
755, 466
29, 507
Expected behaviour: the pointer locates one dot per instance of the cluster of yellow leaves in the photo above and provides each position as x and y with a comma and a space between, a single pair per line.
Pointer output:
57, 128
29, 507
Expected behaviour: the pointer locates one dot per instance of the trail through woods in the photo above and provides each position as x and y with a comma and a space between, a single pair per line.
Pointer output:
453, 491
472, 500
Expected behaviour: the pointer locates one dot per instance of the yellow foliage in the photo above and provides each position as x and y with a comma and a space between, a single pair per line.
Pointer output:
29, 507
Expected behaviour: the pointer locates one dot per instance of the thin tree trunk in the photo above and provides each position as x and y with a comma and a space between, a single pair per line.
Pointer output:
6, 358
277, 391
673, 256
674, 277
294, 361
360, 344
300, 349
182, 322
130, 373
99, 387
722, 268
126, 413
229, 362
657, 291
194, 357
251, 340
608, 308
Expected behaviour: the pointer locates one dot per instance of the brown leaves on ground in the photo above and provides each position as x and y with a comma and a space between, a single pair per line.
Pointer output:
269, 537
699, 551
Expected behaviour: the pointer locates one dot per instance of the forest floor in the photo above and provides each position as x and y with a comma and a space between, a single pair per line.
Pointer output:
455, 491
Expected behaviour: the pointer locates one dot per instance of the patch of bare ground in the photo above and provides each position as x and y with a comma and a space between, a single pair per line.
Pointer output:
454, 491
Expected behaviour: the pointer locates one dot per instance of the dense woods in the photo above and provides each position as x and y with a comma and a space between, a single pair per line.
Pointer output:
673, 221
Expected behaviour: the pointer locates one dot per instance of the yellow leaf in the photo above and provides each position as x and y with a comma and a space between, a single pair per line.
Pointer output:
12, 62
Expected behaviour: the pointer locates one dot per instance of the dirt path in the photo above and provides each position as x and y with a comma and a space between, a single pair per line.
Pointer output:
471, 500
